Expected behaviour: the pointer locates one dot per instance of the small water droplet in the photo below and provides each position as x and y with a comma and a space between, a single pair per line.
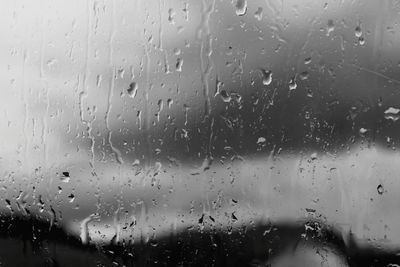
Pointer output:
179, 63
71, 198
65, 177
132, 90
51, 62
8, 204
267, 76
261, 140
241, 7
225, 96
292, 84
234, 218
169, 102
358, 31
314, 156
363, 131
136, 163
307, 60
304, 75
380, 101
361, 40
218, 86
171, 15
121, 73
380, 189
330, 27
258, 14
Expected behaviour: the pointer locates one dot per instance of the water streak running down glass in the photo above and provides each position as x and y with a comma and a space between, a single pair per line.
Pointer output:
200, 133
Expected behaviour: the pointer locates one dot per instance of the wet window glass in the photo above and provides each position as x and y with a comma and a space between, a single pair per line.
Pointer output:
200, 133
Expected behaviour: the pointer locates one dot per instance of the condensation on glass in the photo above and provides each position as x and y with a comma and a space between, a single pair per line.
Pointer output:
129, 121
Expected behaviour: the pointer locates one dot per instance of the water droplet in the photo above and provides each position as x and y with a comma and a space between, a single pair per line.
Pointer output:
65, 177
307, 60
51, 62
361, 40
330, 27
380, 189
179, 63
310, 210
267, 76
258, 14
304, 75
358, 31
392, 114
8, 204
234, 216
292, 84
121, 73
261, 140
169, 102
171, 15
241, 7
201, 220
363, 131
132, 90
136, 163
177, 51
380, 101
160, 105
225, 96
71, 198
314, 156
218, 86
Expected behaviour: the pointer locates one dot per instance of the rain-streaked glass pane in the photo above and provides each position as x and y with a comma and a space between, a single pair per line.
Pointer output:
200, 133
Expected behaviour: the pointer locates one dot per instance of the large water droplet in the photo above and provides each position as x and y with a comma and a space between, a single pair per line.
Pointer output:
241, 7
392, 114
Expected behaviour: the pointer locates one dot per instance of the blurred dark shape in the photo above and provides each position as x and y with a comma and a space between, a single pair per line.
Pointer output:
32, 242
